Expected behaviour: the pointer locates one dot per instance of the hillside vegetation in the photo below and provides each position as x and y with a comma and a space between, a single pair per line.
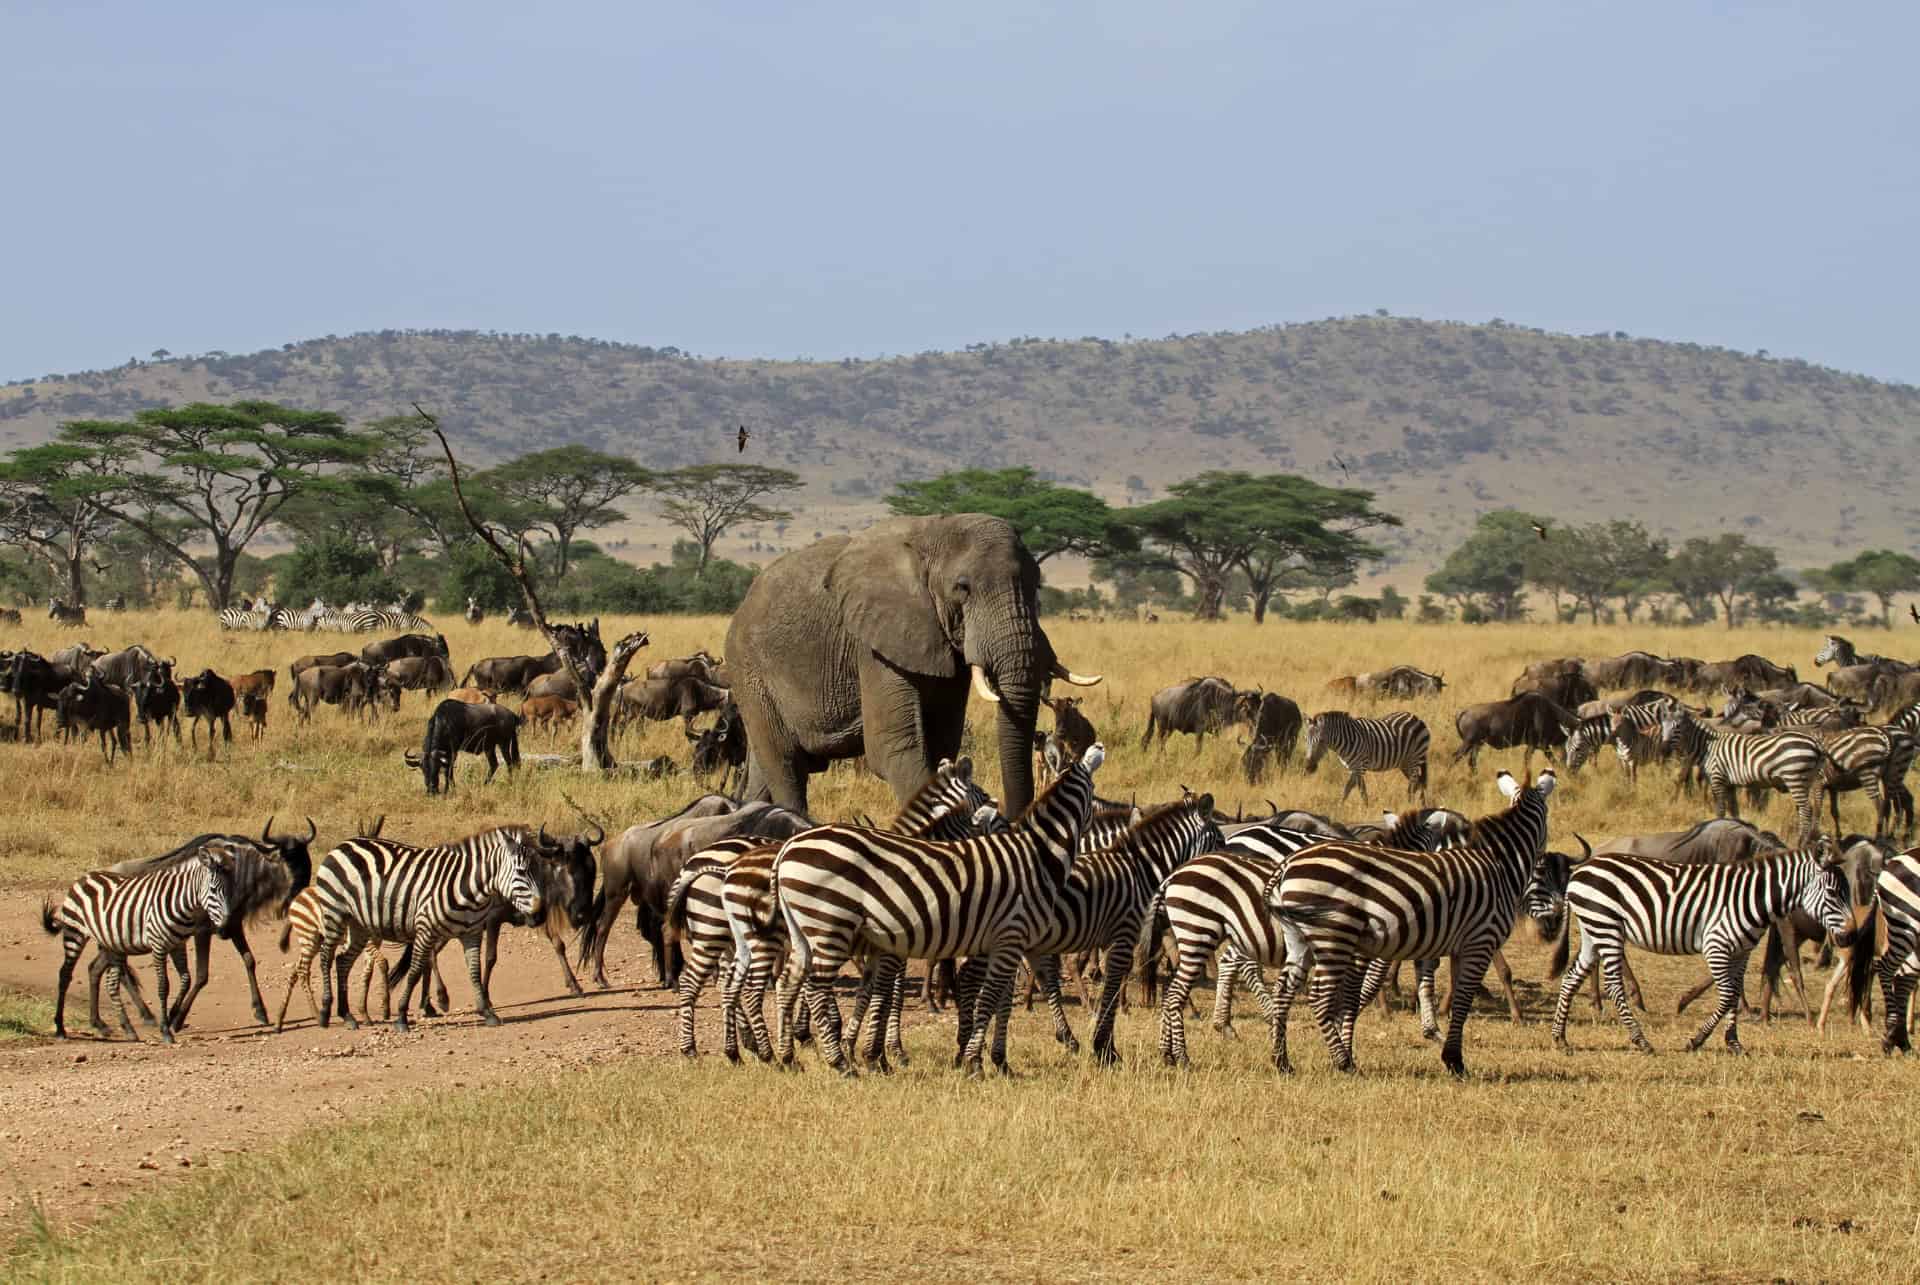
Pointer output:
1442, 420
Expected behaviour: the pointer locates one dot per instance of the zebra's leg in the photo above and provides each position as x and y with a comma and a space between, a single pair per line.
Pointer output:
1577, 971
1612, 969
819, 972
1323, 993
1425, 971
160, 993
873, 1049
862, 1001
729, 1017
421, 960
302, 972
896, 1006
763, 959
1046, 971
196, 981
1247, 974
1173, 1005
693, 980
967, 980
1894, 990
1469, 967
71, 944
114, 973
1729, 968
1351, 986
1113, 985
96, 969
996, 992
1225, 975
356, 943
471, 945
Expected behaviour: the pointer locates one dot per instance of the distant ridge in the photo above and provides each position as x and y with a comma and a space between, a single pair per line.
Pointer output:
1443, 419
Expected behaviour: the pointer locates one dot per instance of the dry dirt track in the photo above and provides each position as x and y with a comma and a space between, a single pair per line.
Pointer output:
86, 1122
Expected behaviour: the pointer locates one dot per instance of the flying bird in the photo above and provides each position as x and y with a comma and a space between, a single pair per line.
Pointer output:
1343, 465
1538, 530
744, 435
1914, 612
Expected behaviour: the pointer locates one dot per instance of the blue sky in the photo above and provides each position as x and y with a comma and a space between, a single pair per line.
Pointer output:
825, 179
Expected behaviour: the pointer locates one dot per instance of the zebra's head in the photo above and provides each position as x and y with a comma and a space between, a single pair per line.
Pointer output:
1586, 739
1827, 897
1317, 737
515, 880
218, 857
1836, 651
1546, 895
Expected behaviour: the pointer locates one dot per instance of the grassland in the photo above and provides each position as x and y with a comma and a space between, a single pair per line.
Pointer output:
1793, 1163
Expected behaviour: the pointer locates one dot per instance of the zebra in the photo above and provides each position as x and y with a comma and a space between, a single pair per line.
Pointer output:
1397, 741
1341, 903
1107, 903
372, 888
949, 807
474, 614
1792, 761
388, 620
1899, 964
303, 925
1721, 912
1874, 759
839, 886
153, 912
256, 619
60, 610
1842, 654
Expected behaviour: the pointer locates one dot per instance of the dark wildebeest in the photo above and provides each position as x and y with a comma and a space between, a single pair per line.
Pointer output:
79, 658
1197, 706
127, 666
35, 684
1071, 736
207, 696
702, 665
333, 660
1893, 691
156, 699
1529, 720
96, 705
478, 729
253, 707
510, 674
352, 687
643, 862
392, 649
721, 748
660, 699
1276, 729
1567, 688
1749, 671
268, 875
1400, 682
558, 684
9, 615
67, 614
429, 674
1633, 669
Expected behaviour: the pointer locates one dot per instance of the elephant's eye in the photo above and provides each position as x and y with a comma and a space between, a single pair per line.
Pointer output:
963, 585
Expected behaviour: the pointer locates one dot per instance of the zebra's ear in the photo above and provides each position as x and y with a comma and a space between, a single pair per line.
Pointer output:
1508, 786
1546, 782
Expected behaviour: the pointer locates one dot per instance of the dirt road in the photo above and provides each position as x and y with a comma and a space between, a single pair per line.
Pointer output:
85, 1122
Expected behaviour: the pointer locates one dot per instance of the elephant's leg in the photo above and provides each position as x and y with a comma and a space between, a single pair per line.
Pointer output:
900, 721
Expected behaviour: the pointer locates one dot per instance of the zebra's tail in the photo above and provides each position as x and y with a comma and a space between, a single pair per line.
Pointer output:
676, 913
48, 923
1562, 947
286, 935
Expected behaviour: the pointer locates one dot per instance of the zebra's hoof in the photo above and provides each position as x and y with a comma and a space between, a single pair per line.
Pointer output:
353, 1025
1283, 1065
491, 1019
1431, 1034
1560, 1043
260, 1017
899, 1055
973, 1070
1226, 1031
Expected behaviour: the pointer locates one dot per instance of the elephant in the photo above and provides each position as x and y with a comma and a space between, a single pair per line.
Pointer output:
864, 644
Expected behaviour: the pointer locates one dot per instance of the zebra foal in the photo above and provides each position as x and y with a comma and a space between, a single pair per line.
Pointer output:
1721, 912
153, 912
1396, 742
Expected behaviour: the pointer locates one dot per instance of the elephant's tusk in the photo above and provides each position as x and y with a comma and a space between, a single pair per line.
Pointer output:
1078, 680
983, 687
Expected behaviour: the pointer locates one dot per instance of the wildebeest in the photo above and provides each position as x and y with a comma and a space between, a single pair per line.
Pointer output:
96, 705
1276, 730
721, 748
1530, 720
1073, 733
329, 660
510, 674
474, 614
472, 696
392, 649
558, 684
643, 862
156, 699
258, 682
9, 615
1633, 669
35, 683
269, 873
207, 696
1861, 860
521, 617
1196, 706
548, 711
352, 687
1748, 671
1399, 681
429, 674
659, 699
702, 665
78, 658
1568, 688
491, 730
58, 609
127, 666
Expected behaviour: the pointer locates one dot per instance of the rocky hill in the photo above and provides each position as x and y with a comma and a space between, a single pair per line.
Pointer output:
1444, 420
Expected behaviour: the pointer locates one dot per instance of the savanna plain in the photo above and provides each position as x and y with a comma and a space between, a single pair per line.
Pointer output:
453, 1154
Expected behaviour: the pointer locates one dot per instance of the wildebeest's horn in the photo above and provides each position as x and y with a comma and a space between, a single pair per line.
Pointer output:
599, 835
266, 835
1586, 849
313, 830
542, 840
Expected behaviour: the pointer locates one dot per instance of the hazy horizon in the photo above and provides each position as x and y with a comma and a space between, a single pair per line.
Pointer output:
751, 181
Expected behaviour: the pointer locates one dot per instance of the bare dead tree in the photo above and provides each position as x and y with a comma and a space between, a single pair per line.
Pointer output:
596, 715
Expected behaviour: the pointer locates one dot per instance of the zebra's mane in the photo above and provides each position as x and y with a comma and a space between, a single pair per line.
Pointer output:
1041, 798
257, 884
933, 785
1158, 818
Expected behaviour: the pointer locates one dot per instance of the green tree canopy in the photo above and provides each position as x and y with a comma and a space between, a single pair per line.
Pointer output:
707, 500
1880, 572
207, 476
1723, 569
1051, 519
1264, 526
1491, 568
1597, 562
46, 510
566, 490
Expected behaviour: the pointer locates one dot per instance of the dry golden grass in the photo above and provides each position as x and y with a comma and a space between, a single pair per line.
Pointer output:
1794, 1162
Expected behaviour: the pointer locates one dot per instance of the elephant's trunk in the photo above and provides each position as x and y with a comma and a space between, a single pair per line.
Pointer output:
1017, 663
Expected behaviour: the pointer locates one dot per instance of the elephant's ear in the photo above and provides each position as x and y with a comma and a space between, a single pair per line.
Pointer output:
884, 605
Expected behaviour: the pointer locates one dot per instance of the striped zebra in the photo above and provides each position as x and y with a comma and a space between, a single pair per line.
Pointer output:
232, 618
1340, 904
1396, 742
388, 620
303, 925
1792, 761
1899, 964
1107, 904
947, 807
839, 887
153, 912
421, 897
1874, 759
1721, 912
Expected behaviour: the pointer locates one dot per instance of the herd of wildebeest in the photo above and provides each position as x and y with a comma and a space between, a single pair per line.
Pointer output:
1744, 724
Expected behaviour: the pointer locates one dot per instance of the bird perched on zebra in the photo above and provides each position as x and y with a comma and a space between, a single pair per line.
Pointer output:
1717, 911
421, 897
1341, 904
152, 912
1396, 742
840, 887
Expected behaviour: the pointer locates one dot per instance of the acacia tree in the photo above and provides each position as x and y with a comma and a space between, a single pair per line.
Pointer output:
1723, 570
46, 510
1490, 570
566, 490
707, 500
1051, 519
1265, 527
1880, 572
207, 475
